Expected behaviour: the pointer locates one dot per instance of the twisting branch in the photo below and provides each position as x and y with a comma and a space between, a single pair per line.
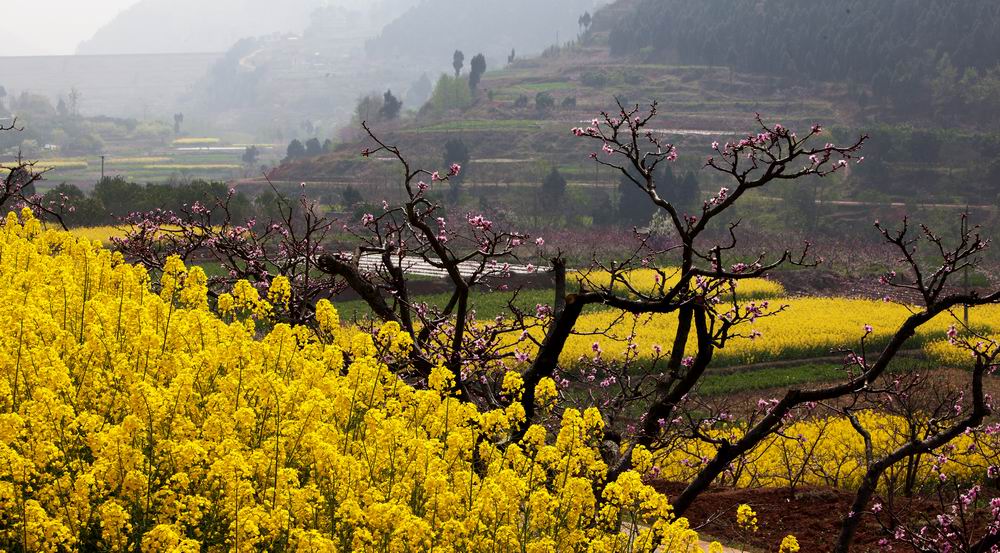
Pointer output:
472, 254
703, 285
17, 187
290, 245
867, 372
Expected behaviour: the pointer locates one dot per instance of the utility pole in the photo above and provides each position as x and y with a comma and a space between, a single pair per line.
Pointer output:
102, 167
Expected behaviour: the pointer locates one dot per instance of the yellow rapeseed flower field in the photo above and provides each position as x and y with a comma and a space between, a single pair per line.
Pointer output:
809, 327
102, 234
648, 281
46, 164
134, 418
828, 451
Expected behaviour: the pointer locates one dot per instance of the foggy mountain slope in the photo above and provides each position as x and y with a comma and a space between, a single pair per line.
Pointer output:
522, 113
434, 29
180, 26
914, 53
313, 78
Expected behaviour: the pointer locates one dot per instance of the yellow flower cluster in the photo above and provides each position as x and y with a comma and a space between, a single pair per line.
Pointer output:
789, 545
828, 452
951, 355
133, 418
280, 291
245, 301
746, 518
808, 327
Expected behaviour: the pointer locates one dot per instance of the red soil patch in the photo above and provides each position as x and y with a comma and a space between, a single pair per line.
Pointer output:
813, 516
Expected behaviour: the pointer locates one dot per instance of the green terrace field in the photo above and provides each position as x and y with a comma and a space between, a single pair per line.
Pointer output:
507, 140
207, 159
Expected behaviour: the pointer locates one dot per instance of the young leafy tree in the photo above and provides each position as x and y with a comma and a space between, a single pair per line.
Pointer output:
476, 69
368, 107
450, 93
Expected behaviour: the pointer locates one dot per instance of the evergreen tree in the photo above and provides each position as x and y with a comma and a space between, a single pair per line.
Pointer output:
295, 150
685, 192
476, 69
351, 197
544, 101
456, 151
458, 61
313, 147
552, 194
391, 106
634, 207
250, 155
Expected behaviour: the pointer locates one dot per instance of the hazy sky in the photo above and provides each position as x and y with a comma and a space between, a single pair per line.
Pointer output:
41, 27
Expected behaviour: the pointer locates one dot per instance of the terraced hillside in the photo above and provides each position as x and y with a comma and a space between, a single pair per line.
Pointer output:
700, 102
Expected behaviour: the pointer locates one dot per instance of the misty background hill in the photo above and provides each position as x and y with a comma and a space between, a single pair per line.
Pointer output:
924, 56
436, 28
919, 75
186, 26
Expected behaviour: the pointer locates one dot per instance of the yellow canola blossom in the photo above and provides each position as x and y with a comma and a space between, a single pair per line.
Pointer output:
830, 452
808, 327
102, 234
134, 418
105, 233
952, 355
648, 281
